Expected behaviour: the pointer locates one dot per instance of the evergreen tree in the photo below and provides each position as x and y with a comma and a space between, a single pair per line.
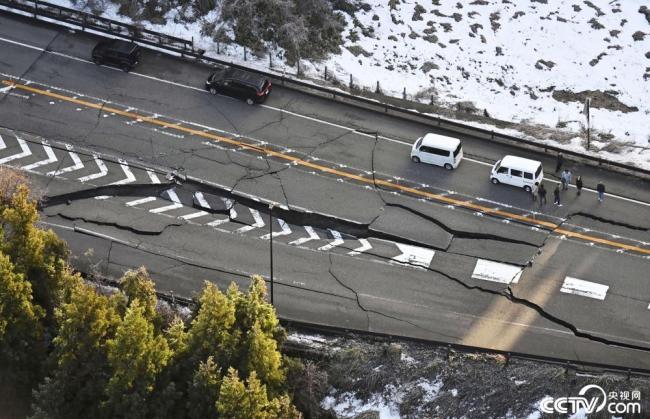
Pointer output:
80, 372
240, 401
136, 284
37, 254
136, 356
211, 330
204, 391
20, 327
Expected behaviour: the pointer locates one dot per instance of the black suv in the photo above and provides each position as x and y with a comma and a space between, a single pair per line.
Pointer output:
122, 54
239, 83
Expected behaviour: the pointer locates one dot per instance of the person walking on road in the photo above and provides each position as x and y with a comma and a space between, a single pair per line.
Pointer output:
559, 162
556, 196
579, 184
600, 188
565, 178
534, 190
541, 192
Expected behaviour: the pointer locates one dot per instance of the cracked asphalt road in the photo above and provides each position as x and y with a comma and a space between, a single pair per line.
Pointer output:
446, 301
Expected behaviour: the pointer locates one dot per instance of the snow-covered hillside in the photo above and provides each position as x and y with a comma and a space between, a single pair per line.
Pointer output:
528, 61
512, 58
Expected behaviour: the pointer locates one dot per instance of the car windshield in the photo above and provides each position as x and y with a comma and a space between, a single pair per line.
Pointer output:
418, 143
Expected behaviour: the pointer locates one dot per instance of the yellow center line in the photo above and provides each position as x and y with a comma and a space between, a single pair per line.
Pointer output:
337, 172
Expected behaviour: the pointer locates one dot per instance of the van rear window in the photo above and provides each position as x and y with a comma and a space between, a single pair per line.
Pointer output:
457, 151
538, 171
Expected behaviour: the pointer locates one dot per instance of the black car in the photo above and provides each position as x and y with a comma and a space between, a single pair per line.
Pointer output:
122, 54
238, 83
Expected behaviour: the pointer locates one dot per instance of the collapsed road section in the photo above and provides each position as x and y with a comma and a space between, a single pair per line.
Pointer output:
419, 269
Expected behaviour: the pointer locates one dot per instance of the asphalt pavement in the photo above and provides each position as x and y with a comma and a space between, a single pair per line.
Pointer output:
146, 168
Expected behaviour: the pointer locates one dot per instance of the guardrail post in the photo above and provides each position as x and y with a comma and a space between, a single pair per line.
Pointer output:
404, 94
35, 9
83, 23
351, 85
270, 60
245, 55
431, 102
492, 134
325, 73
377, 89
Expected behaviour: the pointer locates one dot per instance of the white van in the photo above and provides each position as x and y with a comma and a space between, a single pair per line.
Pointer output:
439, 150
517, 171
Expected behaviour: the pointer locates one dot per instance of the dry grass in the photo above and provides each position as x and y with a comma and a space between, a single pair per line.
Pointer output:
11, 179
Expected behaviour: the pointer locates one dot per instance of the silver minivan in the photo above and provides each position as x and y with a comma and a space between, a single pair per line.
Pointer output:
439, 150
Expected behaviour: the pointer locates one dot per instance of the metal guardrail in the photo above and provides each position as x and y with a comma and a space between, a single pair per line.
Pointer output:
185, 47
97, 23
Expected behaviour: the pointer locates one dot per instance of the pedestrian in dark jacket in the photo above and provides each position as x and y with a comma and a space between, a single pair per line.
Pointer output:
541, 192
556, 196
579, 184
559, 163
600, 188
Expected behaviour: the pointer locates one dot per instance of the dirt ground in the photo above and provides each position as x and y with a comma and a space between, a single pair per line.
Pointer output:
374, 378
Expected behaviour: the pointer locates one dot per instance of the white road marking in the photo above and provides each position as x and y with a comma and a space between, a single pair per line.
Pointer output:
312, 236
584, 288
259, 222
233, 213
414, 255
25, 151
202, 201
2, 143
176, 203
141, 201
103, 170
78, 164
153, 177
51, 157
365, 245
338, 240
285, 230
130, 177
194, 215
504, 273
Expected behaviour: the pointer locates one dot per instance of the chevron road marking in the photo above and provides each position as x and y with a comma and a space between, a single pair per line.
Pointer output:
285, 230
414, 255
233, 213
553, 227
193, 215
338, 240
130, 177
365, 245
176, 203
202, 201
2, 143
141, 201
51, 157
312, 236
78, 164
25, 151
259, 222
103, 170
